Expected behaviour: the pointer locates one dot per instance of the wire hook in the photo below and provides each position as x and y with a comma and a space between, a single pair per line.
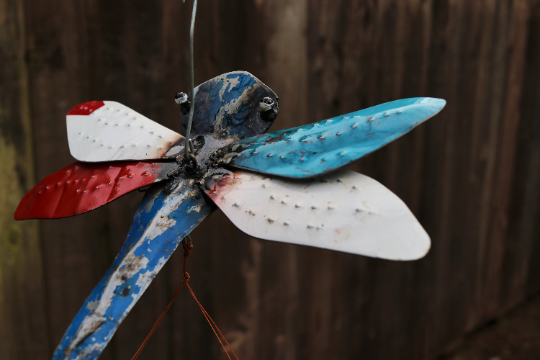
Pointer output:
188, 146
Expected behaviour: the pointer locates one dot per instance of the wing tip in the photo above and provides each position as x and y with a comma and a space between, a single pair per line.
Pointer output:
86, 108
436, 103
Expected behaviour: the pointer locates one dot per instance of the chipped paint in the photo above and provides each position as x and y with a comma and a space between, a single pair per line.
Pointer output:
320, 149
227, 107
161, 222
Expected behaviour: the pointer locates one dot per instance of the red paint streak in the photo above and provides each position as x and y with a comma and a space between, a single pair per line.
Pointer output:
222, 187
86, 108
81, 187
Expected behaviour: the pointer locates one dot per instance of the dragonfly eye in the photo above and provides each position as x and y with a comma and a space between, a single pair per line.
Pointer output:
181, 98
268, 109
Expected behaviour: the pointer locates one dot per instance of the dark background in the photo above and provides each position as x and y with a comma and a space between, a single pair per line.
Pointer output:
471, 174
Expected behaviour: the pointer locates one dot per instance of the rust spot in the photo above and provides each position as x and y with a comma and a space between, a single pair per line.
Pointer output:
275, 139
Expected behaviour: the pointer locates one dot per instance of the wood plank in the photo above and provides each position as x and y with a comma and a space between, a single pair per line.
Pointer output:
23, 318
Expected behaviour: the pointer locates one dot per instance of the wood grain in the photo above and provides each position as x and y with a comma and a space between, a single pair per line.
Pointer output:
470, 175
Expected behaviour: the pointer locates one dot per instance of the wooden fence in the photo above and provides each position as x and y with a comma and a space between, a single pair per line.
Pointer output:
471, 174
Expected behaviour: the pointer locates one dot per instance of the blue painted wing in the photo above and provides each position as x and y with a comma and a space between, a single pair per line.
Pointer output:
164, 218
324, 146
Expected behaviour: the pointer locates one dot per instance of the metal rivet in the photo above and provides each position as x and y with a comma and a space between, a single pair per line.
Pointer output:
313, 207
77, 191
330, 208
222, 198
286, 223
130, 176
328, 121
283, 202
358, 210
343, 153
255, 152
310, 226
263, 185
270, 220
354, 187
399, 111
108, 183
97, 187
338, 134
251, 212
297, 206
269, 155
84, 191
321, 137
386, 114
120, 178
354, 126
272, 197
282, 157
236, 205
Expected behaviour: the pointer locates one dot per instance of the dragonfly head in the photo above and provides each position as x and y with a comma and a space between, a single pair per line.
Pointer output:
230, 107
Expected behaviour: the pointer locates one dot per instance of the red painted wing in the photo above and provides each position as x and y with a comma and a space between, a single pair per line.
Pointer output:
81, 187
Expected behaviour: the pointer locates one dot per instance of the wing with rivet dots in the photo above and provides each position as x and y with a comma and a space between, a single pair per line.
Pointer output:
342, 211
106, 130
318, 148
164, 218
81, 187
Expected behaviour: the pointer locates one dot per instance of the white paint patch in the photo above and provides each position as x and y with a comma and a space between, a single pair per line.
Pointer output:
229, 83
116, 132
342, 211
196, 208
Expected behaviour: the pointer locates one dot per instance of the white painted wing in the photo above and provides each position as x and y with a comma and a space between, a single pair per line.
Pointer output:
343, 211
107, 130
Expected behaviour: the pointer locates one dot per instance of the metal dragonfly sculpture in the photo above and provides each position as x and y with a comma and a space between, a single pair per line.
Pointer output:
285, 186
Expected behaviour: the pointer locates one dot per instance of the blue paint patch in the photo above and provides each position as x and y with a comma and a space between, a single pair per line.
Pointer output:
161, 222
327, 145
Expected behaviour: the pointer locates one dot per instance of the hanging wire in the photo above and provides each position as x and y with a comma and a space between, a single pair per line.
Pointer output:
189, 144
